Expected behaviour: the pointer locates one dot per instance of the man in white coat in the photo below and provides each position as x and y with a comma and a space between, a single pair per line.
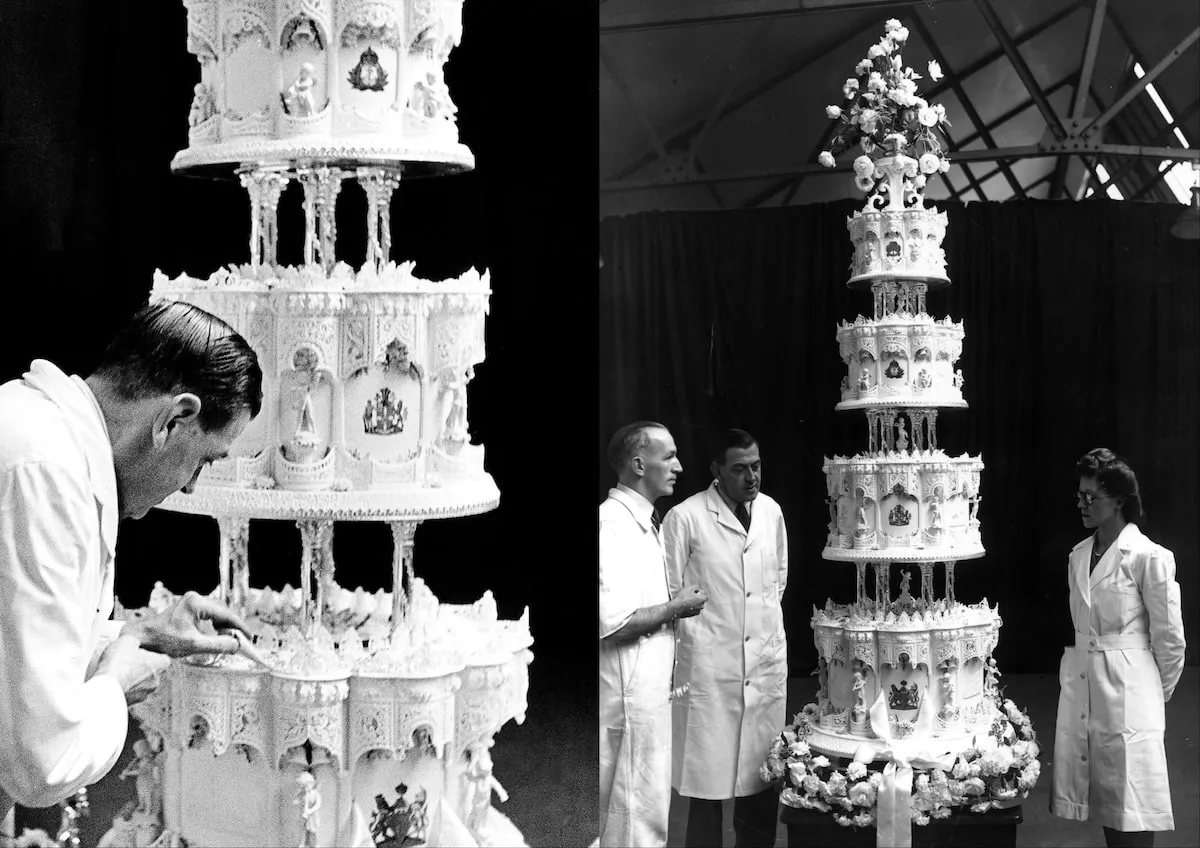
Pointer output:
731, 540
173, 391
1110, 766
637, 641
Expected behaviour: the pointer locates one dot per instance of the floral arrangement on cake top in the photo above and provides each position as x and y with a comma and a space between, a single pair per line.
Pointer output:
884, 115
982, 777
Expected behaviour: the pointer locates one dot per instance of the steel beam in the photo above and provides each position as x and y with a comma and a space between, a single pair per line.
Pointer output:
1018, 63
1162, 136
683, 136
715, 12
748, 49
967, 105
1141, 84
651, 134
1119, 28
1024, 152
1079, 96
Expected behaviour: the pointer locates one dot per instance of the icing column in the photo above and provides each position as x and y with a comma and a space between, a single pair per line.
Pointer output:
403, 533
378, 185
234, 564
316, 537
264, 189
321, 188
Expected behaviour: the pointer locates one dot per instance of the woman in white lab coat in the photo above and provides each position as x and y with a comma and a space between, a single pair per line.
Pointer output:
1109, 763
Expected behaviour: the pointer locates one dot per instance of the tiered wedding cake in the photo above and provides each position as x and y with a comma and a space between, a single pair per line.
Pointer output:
908, 681
370, 722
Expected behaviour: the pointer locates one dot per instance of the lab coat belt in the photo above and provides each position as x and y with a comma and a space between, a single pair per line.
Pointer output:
1112, 642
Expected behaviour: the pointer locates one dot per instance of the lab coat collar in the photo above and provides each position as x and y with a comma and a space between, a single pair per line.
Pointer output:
73, 396
638, 506
724, 514
1129, 539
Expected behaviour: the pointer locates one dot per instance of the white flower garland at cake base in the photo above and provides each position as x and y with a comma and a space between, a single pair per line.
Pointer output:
978, 781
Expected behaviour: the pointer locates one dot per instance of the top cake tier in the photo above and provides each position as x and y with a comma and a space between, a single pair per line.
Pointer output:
346, 82
895, 236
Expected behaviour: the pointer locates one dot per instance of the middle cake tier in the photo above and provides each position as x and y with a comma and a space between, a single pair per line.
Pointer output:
901, 360
364, 380
896, 506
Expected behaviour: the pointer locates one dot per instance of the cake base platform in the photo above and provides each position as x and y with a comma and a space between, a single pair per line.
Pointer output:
993, 829
913, 555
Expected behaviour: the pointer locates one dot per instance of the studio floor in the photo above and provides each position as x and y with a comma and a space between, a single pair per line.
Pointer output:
1038, 694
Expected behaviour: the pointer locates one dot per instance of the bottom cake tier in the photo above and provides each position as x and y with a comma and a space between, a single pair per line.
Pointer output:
377, 735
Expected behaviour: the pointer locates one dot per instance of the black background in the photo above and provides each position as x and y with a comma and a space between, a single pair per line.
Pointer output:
93, 104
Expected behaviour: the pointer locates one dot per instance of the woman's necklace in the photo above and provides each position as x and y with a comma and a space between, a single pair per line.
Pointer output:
1097, 551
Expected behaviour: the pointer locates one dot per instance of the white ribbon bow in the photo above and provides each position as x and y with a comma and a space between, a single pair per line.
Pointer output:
893, 825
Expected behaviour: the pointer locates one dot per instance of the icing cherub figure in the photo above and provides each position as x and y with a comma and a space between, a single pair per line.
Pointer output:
864, 380
905, 597
309, 800
300, 95
990, 674
479, 772
144, 770
860, 705
202, 107
901, 436
958, 378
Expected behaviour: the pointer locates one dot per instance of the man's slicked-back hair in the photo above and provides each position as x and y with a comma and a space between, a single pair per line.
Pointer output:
170, 347
733, 439
628, 442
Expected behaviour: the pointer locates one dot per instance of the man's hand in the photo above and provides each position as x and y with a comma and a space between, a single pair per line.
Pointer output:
188, 627
688, 601
136, 671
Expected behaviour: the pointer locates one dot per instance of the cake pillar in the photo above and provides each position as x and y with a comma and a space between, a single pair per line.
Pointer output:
950, 584
264, 189
403, 534
321, 188
316, 537
378, 185
883, 588
927, 584
234, 565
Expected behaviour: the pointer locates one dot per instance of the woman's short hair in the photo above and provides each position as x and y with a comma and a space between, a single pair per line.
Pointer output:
628, 442
171, 347
1115, 477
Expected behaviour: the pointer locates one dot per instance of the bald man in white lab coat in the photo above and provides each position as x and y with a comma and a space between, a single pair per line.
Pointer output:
637, 641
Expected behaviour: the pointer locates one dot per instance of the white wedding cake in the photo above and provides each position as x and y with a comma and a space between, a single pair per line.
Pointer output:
370, 718
902, 501
910, 723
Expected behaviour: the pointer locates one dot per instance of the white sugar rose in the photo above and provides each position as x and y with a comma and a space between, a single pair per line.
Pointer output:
820, 761
875, 52
863, 67
935, 70
928, 163
862, 794
850, 88
901, 35
973, 786
875, 82
836, 783
891, 25
945, 166
864, 819
835, 112
856, 770
788, 797
799, 748
960, 769
867, 120
811, 784
797, 772
928, 117
876, 780
863, 167
826, 159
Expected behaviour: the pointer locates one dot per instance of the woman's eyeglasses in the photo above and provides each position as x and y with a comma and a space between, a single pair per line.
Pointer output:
1089, 498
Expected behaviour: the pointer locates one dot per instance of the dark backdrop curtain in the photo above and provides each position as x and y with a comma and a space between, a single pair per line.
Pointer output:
1082, 330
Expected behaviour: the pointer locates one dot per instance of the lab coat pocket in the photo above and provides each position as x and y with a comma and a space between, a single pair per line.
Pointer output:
1142, 695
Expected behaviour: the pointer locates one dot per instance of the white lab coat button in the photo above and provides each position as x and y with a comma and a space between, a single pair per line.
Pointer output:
1084, 758
1082, 675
